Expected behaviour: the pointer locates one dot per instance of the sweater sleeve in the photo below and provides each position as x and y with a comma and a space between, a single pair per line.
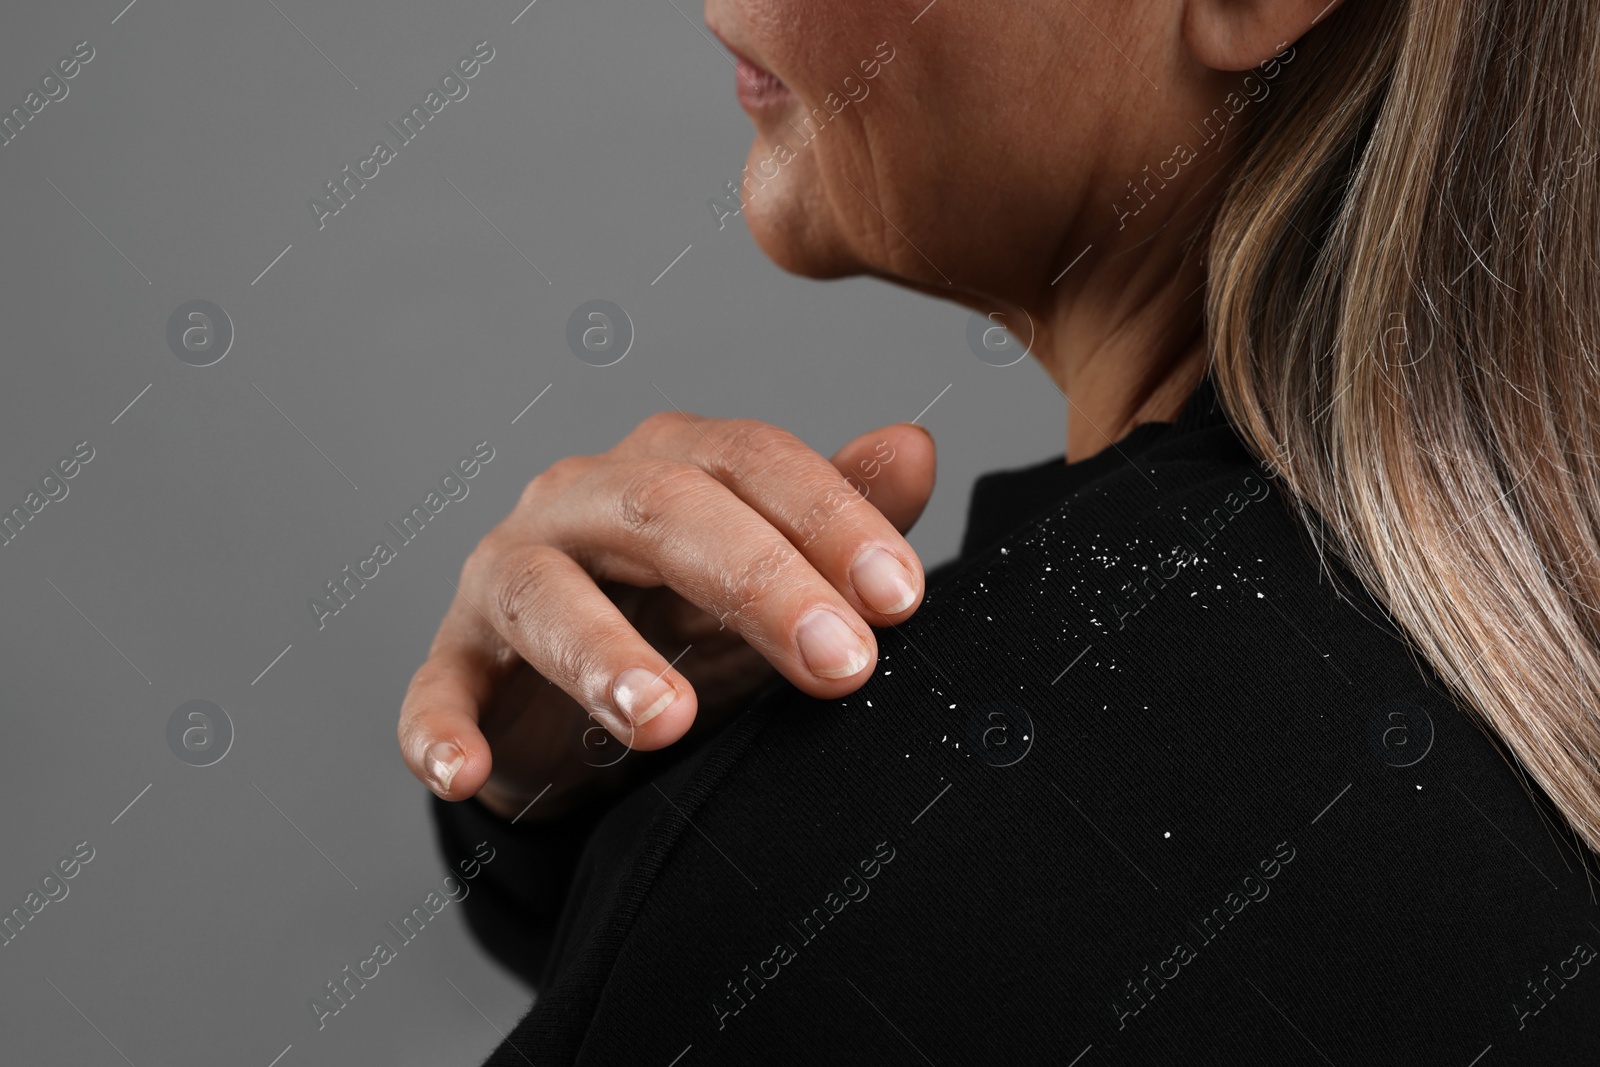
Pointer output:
518, 896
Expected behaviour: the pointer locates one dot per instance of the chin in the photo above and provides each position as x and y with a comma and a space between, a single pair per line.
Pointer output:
798, 249
794, 224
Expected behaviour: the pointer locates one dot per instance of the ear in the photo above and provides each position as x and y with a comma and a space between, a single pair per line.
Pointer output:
1240, 34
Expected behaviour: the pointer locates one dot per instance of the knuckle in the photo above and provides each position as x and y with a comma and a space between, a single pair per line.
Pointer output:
522, 579
478, 569
563, 663
751, 442
651, 491
590, 659
578, 662
658, 425
554, 479
826, 503
747, 592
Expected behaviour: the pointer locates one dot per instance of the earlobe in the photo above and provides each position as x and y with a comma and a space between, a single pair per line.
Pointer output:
1240, 34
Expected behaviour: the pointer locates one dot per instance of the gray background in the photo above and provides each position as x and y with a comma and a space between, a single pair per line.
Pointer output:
394, 339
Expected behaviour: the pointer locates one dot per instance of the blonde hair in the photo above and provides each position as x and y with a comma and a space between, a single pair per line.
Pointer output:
1403, 310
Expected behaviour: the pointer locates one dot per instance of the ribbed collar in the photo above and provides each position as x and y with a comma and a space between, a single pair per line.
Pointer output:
1203, 408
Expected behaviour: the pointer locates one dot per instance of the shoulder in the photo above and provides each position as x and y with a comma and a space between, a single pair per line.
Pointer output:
1139, 752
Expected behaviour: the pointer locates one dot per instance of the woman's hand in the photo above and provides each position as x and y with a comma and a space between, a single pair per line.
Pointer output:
662, 581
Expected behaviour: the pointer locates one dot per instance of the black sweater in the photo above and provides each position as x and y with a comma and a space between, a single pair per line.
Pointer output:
1140, 782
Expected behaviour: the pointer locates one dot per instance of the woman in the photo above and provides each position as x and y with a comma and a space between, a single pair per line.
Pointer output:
1181, 756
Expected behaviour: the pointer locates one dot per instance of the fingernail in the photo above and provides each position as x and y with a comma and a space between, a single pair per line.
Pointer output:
882, 581
830, 648
443, 761
641, 695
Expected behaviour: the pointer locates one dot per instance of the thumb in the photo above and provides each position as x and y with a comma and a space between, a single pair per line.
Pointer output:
893, 467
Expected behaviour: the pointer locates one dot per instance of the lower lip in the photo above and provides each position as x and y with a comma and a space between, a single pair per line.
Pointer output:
760, 90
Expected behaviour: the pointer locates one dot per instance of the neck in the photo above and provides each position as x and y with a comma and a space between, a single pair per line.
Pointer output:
1122, 334
1125, 346
1109, 393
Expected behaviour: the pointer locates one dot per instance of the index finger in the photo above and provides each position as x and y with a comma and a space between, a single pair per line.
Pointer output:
800, 492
